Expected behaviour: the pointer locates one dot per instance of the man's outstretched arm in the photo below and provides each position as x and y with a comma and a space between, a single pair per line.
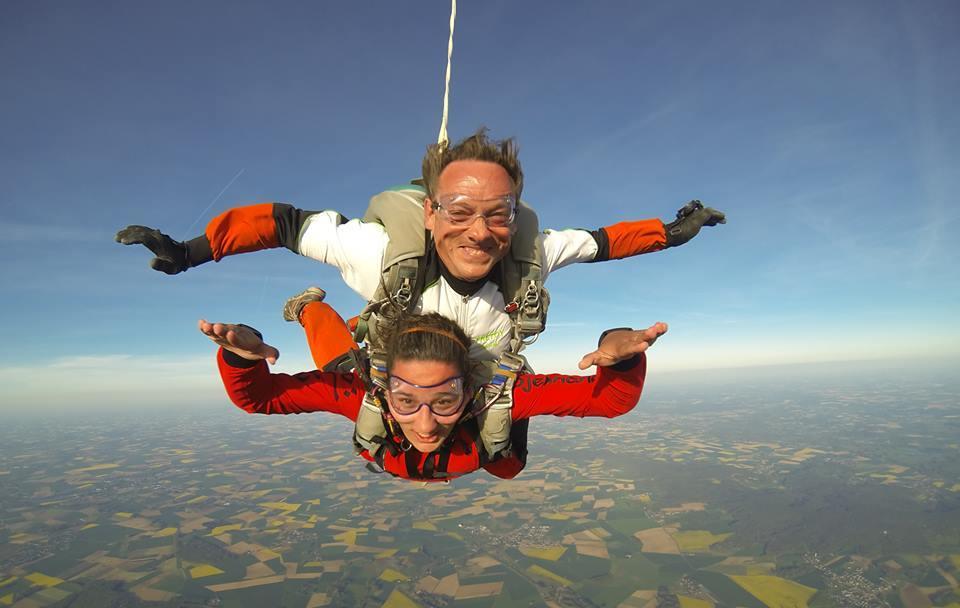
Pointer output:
626, 239
237, 230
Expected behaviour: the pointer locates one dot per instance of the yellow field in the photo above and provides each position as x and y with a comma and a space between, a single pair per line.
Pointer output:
287, 507
96, 467
686, 507
399, 600
775, 591
548, 553
317, 600
204, 570
697, 540
153, 595
164, 532
806, 454
259, 570
264, 554
43, 580
392, 576
255, 582
50, 596
535, 569
693, 602
349, 538
955, 558
221, 529
424, 525
555, 516
8, 581
7, 600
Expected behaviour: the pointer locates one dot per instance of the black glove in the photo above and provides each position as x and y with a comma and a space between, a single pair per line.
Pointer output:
172, 256
690, 219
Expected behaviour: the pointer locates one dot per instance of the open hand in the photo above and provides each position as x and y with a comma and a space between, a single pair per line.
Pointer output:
239, 339
623, 344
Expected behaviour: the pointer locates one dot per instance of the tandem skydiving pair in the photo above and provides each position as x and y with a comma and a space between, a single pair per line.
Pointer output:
453, 268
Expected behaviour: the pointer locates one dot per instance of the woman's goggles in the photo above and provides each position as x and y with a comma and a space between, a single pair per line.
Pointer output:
443, 399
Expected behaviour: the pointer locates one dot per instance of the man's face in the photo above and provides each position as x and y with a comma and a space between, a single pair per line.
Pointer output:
470, 251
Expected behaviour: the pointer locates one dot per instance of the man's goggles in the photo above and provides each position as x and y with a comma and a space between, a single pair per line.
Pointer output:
461, 210
443, 399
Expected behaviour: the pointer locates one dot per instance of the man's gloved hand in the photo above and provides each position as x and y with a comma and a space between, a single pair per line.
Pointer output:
171, 255
690, 219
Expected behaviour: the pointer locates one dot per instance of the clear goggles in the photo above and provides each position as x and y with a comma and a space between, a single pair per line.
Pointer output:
443, 399
461, 210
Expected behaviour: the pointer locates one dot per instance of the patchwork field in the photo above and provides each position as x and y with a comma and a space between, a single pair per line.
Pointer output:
830, 498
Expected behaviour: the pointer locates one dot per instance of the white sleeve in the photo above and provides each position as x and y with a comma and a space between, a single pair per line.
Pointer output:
356, 248
564, 247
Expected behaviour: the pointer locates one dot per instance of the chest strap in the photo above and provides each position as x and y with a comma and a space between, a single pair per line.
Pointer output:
496, 415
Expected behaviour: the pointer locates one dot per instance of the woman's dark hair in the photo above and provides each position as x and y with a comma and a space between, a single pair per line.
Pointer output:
426, 337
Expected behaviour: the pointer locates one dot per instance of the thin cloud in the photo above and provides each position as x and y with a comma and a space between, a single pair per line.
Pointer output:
19, 232
118, 379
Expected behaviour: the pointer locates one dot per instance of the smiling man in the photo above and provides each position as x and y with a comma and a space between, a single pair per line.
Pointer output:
470, 214
470, 217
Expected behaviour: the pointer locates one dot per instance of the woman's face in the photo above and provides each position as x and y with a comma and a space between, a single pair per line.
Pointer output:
424, 429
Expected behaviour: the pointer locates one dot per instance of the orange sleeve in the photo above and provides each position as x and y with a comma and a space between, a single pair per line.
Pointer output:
633, 238
242, 229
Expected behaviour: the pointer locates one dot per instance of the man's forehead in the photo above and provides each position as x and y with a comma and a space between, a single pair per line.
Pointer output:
471, 176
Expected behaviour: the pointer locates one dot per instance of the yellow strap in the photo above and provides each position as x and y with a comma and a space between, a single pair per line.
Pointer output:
442, 139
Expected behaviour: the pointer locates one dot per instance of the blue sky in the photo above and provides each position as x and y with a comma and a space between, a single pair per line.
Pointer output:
827, 132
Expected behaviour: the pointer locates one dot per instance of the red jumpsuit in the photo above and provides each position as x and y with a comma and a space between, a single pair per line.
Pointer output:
612, 391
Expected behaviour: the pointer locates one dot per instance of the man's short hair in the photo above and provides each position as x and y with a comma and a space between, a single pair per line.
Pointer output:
475, 147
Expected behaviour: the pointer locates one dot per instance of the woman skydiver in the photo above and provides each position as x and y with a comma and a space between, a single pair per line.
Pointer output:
429, 403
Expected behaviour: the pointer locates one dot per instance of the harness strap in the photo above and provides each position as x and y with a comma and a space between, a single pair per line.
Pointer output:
370, 432
410, 459
443, 461
496, 415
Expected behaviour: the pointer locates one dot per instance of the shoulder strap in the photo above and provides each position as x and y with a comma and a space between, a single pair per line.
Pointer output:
495, 415
370, 432
526, 297
400, 211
